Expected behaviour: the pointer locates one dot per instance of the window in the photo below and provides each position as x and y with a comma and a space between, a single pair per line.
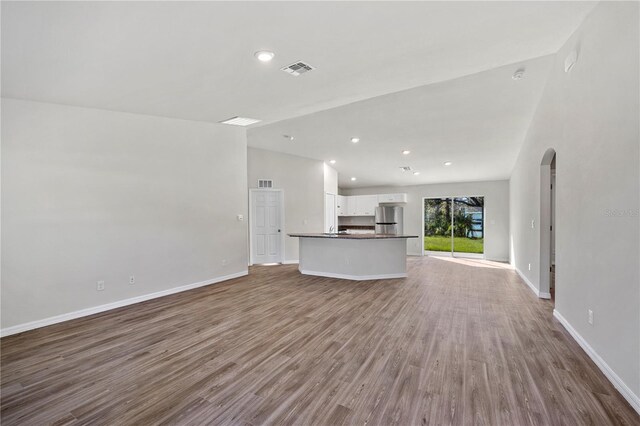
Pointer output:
454, 225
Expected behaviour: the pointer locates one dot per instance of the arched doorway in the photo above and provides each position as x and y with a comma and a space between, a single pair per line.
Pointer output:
547, 224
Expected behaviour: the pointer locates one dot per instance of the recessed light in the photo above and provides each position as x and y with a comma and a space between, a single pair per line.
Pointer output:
406, 152
264, 55
353, 178
448, 163
416, 173
518, 75
355, 140
240, 121
332, 161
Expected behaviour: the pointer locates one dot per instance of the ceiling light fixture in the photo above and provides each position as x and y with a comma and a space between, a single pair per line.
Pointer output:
448, 163
353, 178
416, 173
355, 140
518, 75
240, 121
406, 152
264, 55
332, 161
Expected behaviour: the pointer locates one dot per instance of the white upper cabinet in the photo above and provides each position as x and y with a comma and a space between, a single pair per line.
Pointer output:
341, 205
366, 205
352, 205
392, 198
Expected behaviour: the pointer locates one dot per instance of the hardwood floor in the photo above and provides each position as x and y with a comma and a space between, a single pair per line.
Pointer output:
455, 343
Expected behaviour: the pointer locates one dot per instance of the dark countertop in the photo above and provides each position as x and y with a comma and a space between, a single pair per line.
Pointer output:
354, 236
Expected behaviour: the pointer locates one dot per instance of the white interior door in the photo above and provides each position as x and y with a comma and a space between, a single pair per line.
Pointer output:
330, 224
266, 230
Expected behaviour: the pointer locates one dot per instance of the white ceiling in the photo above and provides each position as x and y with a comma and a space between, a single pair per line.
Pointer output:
194, 60
478, 122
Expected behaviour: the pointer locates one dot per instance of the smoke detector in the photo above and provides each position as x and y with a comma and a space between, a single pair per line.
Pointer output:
297, 68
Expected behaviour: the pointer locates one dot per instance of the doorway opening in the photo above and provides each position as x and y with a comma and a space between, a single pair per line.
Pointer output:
266, 226
454, 226
548, 225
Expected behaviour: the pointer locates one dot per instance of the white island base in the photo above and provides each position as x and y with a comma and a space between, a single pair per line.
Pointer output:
359, 258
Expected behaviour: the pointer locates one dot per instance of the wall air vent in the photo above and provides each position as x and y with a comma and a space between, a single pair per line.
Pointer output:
406, 168
265, 183
297, 68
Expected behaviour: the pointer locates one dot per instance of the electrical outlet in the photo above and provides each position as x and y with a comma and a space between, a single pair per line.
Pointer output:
132, 279
100, 286
529, 266
590, 317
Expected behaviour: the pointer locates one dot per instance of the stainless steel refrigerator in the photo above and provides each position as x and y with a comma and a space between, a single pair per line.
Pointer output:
389, 220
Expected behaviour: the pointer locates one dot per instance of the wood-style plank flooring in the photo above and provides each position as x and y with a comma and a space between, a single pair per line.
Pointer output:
458, 342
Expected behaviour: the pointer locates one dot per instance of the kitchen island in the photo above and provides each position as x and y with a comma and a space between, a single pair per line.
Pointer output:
353, 256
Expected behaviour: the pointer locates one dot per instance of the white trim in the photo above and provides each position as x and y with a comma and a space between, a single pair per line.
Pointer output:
282, 230
291, 262
353, 277
538, 293
120, 303
618, 383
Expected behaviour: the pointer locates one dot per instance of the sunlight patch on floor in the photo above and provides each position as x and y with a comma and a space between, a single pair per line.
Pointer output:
478, 263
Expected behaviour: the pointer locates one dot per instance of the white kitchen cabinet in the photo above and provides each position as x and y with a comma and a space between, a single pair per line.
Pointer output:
352, 205
357, 205
392, 198
366, 205
342, 205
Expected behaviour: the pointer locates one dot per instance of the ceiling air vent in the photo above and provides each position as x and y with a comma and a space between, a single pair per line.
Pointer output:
265, 183
297, 68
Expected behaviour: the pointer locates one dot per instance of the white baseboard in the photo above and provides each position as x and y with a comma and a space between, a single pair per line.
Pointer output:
291, 262
353, 277
120, 303
632, 399
540, 294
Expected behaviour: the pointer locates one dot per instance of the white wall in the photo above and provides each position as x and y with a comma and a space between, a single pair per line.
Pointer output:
303, 182
590, 116
91, 195
330, 179
496, 193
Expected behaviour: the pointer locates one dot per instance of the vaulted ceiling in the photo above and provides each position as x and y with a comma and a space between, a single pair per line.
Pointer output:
194, 60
